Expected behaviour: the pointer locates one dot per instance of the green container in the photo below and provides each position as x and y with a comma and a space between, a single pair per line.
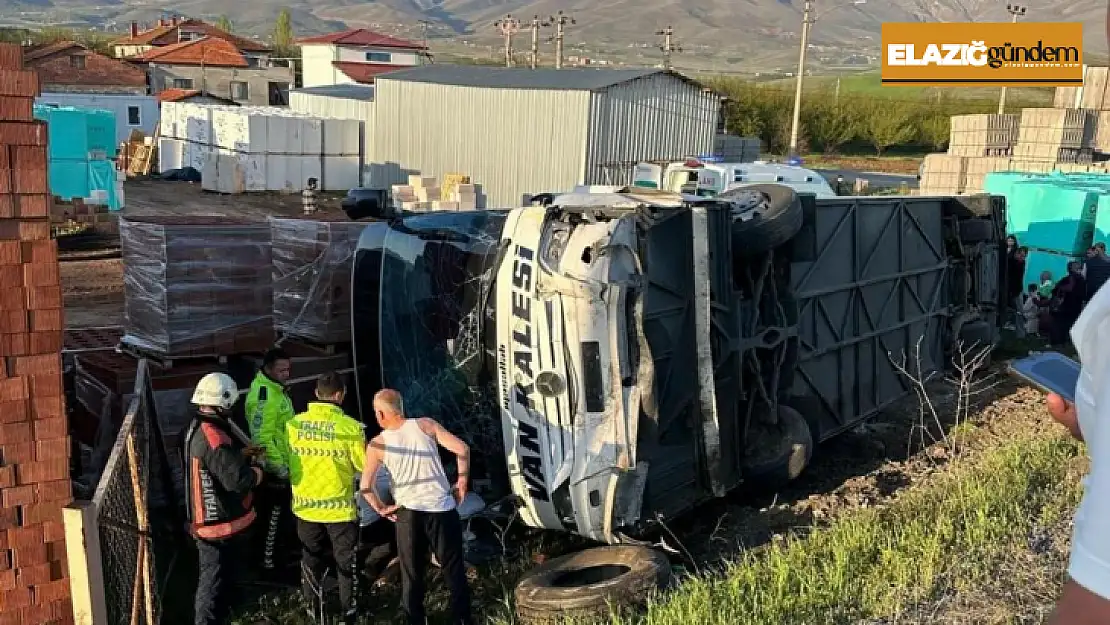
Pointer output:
79, 134
1052, 214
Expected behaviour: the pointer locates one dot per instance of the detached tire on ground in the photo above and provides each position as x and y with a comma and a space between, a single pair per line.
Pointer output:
769, 215
588, 584
777, 454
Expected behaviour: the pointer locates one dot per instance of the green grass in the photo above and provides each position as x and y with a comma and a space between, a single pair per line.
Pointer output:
870, 83
948, 536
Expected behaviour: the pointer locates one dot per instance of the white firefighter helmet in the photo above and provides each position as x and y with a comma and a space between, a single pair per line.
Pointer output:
216, 390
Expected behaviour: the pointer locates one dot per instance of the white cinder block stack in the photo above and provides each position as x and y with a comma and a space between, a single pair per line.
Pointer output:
466, 197
342, 148
275, 149
425, 193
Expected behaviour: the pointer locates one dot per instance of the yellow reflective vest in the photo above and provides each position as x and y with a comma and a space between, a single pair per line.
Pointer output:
268, 410
324, 449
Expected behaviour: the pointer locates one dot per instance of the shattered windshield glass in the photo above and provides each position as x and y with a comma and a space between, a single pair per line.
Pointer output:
436, 274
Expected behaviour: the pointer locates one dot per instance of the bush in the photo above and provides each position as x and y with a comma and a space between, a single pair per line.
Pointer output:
850, 122
889, 123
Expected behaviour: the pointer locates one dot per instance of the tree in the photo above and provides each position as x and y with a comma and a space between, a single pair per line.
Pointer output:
934, 128
890, 122
224, 24
283, 34
830, 123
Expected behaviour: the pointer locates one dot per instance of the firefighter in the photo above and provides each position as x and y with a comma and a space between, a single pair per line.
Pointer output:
219, 478
324, 449
268, 409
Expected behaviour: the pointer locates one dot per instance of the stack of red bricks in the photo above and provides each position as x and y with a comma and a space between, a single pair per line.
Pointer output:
34, 443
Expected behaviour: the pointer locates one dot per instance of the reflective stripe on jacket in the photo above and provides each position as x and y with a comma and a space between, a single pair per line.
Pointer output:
268, 409
324, 450
218, 480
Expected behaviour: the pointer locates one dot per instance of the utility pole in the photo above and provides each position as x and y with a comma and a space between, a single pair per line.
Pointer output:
808, 18
424, 35
424, 32
668, 46
806, 13
508, 26
1016, 11
559, 21
534, 58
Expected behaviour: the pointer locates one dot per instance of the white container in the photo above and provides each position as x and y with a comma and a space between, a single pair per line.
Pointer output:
340, 173
170, 153
167, 120
341, 137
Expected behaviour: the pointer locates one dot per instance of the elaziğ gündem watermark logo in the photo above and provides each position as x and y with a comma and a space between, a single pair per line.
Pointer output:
982, 54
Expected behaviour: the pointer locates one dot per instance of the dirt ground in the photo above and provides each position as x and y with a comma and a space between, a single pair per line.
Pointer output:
93, 292
161, 197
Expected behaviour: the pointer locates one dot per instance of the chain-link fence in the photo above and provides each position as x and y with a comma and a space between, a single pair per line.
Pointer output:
138, 519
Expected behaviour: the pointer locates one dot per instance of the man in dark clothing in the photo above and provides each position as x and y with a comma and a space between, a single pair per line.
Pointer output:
218, 483
1015, 274
1068, 298
1096, 270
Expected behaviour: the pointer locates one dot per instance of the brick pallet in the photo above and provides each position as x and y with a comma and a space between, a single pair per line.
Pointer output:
196, 287
34, 443
983, 135
97, 218
312, 278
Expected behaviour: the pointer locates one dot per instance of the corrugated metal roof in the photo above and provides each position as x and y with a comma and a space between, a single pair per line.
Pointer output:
364, 93
575, 78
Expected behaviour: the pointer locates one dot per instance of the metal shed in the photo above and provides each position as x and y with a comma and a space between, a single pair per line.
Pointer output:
335, 101
518, 132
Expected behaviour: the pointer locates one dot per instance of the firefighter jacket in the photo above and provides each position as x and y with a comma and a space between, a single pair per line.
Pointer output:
268, 409
218, 480
324, 450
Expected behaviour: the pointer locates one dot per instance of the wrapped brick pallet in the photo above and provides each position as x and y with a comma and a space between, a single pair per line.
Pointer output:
34, 436
312, 278
197, 286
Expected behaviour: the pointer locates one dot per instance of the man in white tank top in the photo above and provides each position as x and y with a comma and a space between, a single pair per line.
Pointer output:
424, 503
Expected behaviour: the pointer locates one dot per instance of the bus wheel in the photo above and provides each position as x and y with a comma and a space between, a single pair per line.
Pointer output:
777, 453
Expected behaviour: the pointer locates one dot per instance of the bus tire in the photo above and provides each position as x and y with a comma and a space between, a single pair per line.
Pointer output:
763, 226
589, 584
779, 453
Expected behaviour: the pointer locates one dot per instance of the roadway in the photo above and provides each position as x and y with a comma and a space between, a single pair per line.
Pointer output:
876, 179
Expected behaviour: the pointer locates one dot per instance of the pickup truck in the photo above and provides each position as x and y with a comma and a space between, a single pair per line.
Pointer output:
616, 359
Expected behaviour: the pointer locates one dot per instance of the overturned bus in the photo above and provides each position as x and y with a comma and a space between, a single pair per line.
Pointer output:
617, 358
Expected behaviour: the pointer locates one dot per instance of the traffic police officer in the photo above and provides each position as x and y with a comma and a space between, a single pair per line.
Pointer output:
324, 450
268, 409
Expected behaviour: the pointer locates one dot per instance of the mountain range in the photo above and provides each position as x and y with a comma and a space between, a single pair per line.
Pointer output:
742, 35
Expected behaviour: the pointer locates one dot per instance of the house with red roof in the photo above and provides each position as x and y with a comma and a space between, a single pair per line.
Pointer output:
356, 56
175, 30
217, 67
73, 75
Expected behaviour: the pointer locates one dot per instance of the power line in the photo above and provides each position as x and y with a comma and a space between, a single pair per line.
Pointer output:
508, 26
668, 46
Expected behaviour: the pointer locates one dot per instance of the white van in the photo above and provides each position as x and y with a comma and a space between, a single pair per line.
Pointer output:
705, 177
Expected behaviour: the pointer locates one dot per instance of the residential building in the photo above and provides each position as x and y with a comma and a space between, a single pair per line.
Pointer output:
192, 96
355, 56
215, 66
74, 76
176, 30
